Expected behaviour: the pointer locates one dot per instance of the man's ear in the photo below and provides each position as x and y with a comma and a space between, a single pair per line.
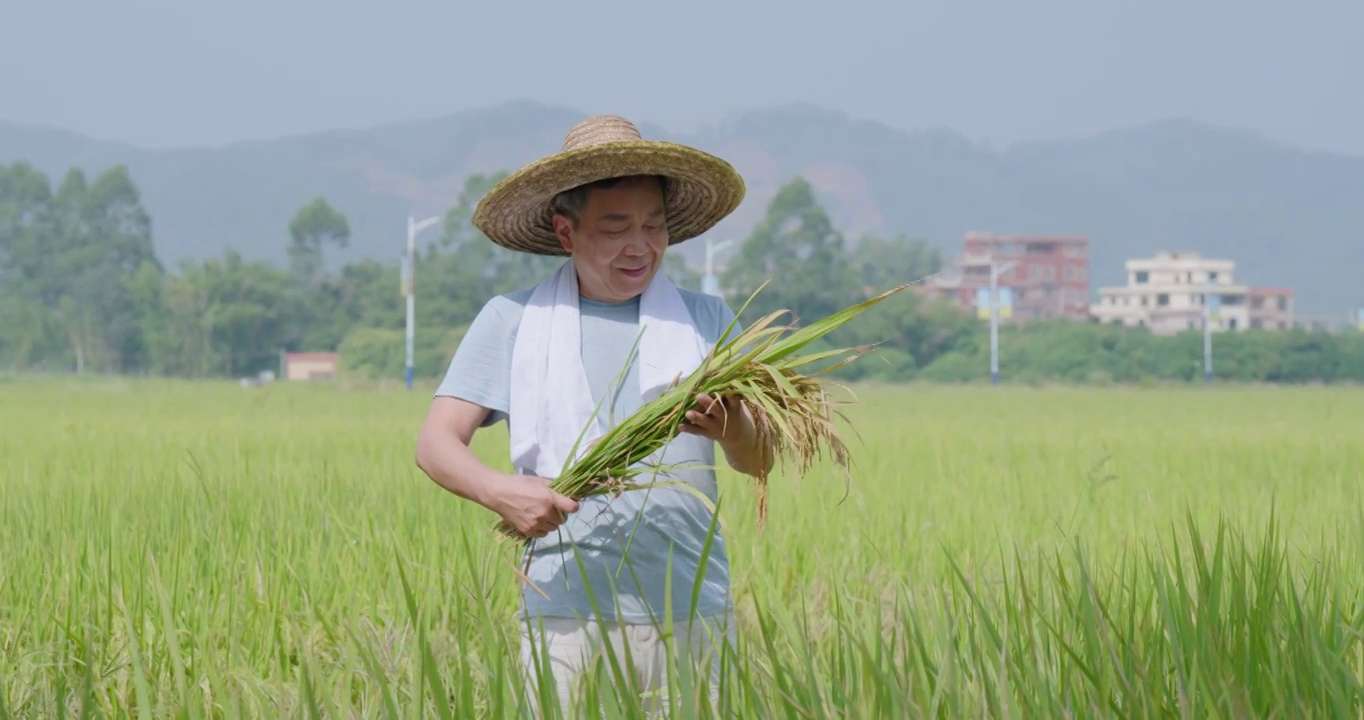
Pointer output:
563, 229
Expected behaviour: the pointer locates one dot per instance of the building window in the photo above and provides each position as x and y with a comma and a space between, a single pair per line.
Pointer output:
1283, 303
1162, 299
1141, 277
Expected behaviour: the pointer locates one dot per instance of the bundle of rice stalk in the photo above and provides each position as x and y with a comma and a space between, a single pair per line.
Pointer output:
764, 368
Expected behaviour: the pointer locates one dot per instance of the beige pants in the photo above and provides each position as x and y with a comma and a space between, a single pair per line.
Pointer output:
570, 647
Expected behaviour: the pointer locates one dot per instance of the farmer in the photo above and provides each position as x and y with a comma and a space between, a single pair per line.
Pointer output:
544, 359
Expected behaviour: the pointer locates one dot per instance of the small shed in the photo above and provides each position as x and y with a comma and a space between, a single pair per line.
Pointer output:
308, 365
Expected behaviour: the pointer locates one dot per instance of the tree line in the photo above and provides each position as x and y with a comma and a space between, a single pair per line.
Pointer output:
82, 291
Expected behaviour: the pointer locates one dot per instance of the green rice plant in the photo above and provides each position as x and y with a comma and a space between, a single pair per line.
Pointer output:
764, 367
1005, 552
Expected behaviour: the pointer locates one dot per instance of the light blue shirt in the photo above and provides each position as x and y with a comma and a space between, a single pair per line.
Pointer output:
644, 547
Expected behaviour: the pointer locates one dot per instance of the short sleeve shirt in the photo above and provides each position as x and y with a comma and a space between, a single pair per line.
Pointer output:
587, 561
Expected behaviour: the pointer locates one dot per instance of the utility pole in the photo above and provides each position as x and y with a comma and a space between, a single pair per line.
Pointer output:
710, 285
1207, 330
409, 287
996, 269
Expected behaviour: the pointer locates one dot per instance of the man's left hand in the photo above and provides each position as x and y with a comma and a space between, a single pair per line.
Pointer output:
729, 422
726, 420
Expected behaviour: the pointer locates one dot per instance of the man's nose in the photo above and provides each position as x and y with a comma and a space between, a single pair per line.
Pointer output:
637, 243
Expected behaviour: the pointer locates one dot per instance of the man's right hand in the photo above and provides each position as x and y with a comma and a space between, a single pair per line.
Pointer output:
529, 506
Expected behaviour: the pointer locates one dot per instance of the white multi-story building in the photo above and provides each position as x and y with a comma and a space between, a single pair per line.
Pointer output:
1169, 293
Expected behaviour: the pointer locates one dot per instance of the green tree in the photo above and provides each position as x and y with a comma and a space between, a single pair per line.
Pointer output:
798, 250
463, 269
29, 333
680, 272
80, 287
226, 316
365, 293
25, 216
120, 245
73, 253
882, 263
314, 225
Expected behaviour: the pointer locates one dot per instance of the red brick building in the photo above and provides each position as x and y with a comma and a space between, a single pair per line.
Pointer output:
1048, 278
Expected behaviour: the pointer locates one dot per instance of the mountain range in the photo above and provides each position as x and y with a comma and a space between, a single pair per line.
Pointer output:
1287, 216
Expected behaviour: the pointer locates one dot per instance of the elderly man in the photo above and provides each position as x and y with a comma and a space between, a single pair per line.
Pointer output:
585, 348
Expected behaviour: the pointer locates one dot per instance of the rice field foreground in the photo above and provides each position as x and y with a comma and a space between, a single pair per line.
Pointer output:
198, 550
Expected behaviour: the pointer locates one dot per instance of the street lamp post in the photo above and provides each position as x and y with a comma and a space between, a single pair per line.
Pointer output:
1207, 330
996, 269
409, 287
710, 285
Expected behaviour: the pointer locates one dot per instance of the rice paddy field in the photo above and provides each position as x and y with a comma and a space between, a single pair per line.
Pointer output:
186, 550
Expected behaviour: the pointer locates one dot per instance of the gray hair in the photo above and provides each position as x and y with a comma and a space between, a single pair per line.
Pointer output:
570, 203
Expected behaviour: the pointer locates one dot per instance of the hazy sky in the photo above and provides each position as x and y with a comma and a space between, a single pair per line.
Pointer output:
166, 72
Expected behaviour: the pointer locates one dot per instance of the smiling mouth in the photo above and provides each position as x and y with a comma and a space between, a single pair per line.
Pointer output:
635, 272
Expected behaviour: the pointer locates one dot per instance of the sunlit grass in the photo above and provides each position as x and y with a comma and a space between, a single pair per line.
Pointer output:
194, 550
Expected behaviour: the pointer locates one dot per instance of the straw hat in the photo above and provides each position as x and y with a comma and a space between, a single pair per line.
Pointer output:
701, 188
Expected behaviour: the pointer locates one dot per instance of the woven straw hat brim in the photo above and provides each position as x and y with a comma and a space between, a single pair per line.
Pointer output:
702, 190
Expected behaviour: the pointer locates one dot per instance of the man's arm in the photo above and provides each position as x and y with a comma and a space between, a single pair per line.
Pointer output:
443, 453
443, 449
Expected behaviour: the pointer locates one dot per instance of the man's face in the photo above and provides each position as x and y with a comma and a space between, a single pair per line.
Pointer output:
619, 241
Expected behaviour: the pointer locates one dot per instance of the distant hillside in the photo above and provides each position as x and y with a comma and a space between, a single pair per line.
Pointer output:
1286, 216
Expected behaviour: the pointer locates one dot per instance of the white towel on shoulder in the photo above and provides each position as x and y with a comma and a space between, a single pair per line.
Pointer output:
550, 399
